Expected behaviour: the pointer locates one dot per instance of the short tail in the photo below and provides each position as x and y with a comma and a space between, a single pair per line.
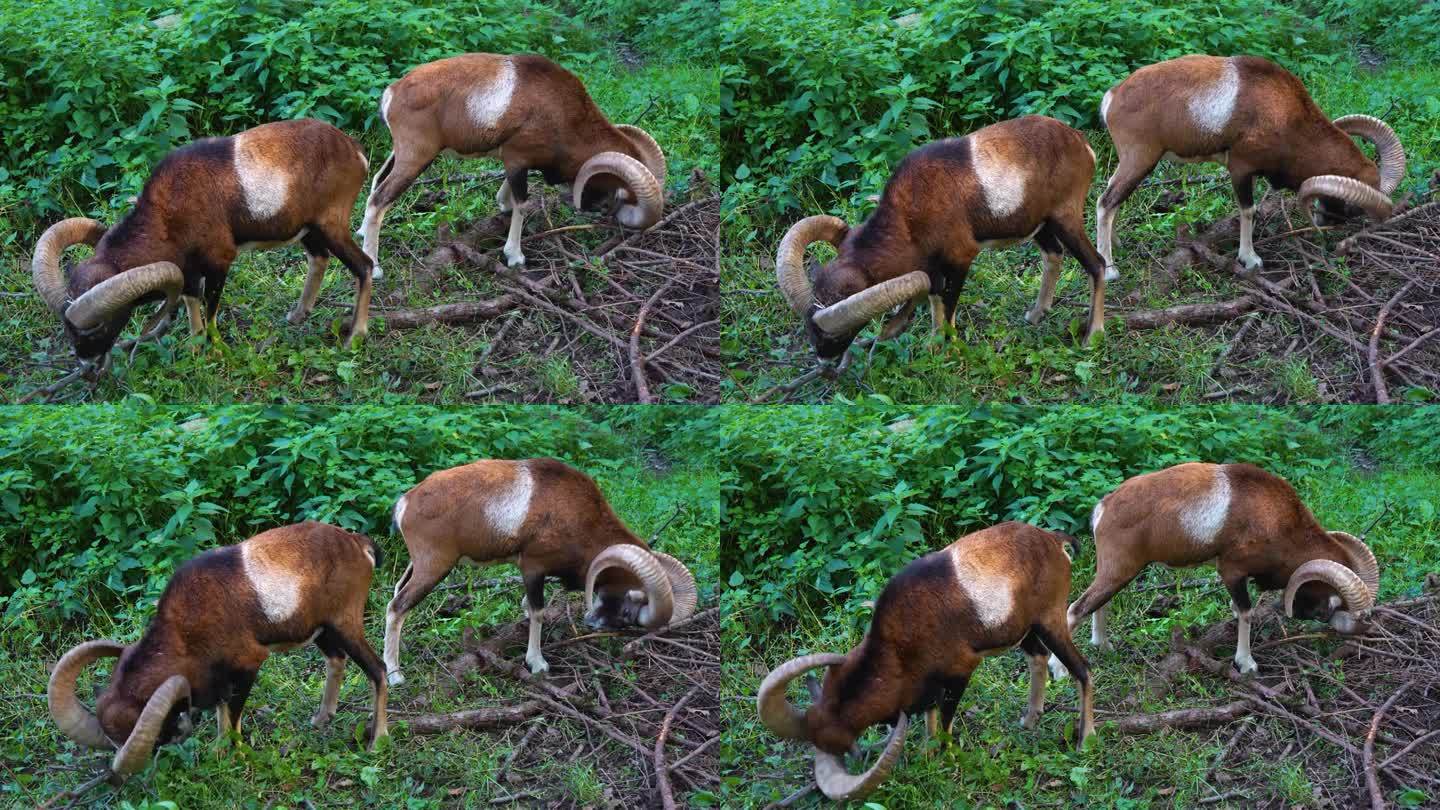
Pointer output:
1072, 543
374, 550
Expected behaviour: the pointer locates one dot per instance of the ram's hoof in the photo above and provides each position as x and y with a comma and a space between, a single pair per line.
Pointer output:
321, 719
395, 678
539, 667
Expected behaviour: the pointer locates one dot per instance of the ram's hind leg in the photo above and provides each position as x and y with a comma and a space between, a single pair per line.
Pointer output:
1052, 257
1136, 162
337, 240
1036, 654
1069, 229
330, 645
317, 257
414, 585
1055, 634
395, 176
1110, 577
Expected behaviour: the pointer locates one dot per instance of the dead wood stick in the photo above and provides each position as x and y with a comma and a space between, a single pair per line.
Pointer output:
1414, 344
1181, 718
789, 387
690, 331
515, 752
1372, 781
450, 314
629, 650
792, 798
475, 719
76, 792
662, 774
702, 748
1377, 369
1407, 749
637, 361
1350, 241
1190, 314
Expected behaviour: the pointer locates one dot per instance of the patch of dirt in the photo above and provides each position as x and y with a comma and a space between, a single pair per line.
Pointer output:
603, 707
1361, 718
634, 319
1359, 305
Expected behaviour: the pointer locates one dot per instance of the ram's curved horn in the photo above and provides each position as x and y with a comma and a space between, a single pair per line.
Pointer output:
776, 712
101, 302
650, 152
790, 257
1347, 583
853, 312
659, 595
645, 190
1387, 147
838, 784
45, 272
1346, 189
1362, 561
682, 586
136, 751
74, 720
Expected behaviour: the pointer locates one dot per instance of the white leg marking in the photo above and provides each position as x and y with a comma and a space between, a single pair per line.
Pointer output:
265, 186
276, 587
533, 658
222, 720
508, 507
991, 597
330, 698
488, 102
1205, 516
1099, 626
1243, 660
514, 257
1104, 236
393, 623
1248, 257
503, 198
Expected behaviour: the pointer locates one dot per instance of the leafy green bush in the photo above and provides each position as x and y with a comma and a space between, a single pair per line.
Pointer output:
94, 92
824, 504
1402, 30
827, 95
110, 498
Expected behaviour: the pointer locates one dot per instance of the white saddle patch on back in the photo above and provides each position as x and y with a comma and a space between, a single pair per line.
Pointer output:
508, 506
278, 589
1002, 182
1205, 516
1212, 106
992, 597
264, 185
488, 103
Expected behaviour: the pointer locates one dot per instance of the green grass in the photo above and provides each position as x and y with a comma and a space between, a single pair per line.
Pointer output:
993, 762
995, 354
282, 761
261, 357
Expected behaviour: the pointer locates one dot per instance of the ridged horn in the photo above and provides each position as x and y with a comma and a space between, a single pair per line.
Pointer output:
1347, 583
790, 257
1362, 560
45, 272
645, 190
123, 289
1346, 189
776, 712
862, 307
682, 586
838, 784
659, 595
136, 751
74, 720
650, 153
1387, 147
